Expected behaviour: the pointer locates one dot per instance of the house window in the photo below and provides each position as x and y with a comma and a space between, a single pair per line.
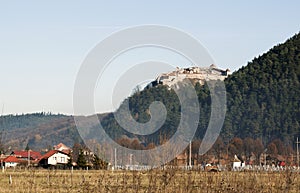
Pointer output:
63, 159
54, 158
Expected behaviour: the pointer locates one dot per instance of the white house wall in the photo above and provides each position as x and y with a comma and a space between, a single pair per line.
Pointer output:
58, 158
237, 164
10, 164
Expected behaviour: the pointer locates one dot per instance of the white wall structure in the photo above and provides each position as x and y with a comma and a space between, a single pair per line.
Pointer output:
58, 158
10, 161
197, 74
54, 157
237, 164
10, 164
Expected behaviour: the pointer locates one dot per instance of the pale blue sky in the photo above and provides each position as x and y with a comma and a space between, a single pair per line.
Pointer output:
42, 45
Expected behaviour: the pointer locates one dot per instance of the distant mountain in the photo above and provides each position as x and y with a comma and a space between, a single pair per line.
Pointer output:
38, 130
262, 102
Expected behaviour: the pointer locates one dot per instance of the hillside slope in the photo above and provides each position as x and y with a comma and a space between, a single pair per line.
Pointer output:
38, 130
263, 97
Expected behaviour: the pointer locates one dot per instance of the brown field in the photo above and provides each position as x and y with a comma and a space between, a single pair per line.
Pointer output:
146, 181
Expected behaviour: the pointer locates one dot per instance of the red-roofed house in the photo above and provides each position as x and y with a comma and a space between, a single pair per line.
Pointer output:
54, 157
10, 161
62, 147
23, 155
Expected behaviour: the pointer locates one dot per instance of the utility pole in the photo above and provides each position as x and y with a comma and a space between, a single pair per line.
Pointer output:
2, 109
190, 155
297, 146
28, 157
265, 157
130, 159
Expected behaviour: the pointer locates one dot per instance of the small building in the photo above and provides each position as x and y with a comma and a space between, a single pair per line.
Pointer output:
194, 73
181, 159
62, 147
53, 158
238, 163
27, 155
10, 161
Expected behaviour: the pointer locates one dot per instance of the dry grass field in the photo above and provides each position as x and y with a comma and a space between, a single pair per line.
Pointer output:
147, 181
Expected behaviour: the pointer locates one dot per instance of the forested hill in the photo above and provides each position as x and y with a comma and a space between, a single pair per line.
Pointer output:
37, 130
262, 103
264, 96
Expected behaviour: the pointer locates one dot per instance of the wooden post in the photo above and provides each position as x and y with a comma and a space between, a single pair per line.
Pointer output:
115, 158
72, 175
10, 179
48, 178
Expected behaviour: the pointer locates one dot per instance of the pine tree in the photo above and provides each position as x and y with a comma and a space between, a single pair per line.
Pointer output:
27, 147
81, 161
99, 163
70, 162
